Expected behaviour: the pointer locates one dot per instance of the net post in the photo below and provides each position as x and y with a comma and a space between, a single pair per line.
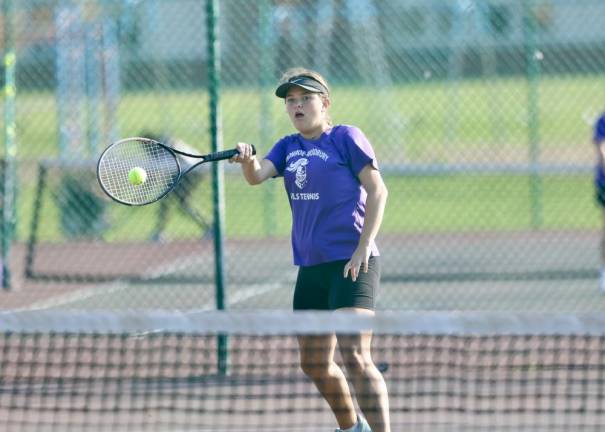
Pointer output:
212, 15
35, 221
10, 145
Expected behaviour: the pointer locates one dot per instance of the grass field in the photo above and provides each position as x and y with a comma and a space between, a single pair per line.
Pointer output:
481, 112
445, 203
473, 122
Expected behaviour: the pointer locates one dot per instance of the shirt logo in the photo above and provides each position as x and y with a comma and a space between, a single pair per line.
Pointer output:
299, 166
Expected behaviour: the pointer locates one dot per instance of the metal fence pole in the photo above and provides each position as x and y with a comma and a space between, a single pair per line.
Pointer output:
214, 73
533, 56
266, 130
10, 145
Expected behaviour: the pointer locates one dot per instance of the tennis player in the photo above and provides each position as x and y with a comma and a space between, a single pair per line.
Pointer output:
337, 197
599, 181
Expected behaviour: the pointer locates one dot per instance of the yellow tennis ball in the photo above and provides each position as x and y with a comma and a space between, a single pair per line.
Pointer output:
137, 176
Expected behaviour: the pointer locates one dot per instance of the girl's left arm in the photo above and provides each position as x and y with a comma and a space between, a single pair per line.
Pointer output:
375, 202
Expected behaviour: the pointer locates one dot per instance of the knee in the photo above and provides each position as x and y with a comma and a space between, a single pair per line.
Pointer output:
315, 369
356, 362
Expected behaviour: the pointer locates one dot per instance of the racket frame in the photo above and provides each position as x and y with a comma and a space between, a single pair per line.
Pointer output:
210, 157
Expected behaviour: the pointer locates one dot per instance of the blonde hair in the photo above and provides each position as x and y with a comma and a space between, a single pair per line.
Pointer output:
300, 71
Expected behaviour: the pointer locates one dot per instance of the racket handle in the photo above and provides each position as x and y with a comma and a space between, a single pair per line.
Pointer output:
226, 154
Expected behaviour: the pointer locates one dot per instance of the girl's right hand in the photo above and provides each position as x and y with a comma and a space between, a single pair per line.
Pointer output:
245, 153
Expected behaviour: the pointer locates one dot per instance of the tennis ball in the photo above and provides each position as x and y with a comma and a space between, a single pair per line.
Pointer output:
137, 176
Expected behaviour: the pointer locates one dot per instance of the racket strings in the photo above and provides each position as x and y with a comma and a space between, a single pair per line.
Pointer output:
160, 165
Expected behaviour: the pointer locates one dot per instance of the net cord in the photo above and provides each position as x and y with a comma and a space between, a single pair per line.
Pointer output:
301, 322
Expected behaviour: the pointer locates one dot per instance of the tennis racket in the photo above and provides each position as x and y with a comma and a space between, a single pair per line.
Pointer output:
162, 164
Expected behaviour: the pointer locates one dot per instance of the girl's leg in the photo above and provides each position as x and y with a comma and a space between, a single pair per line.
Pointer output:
317, 362
370, 387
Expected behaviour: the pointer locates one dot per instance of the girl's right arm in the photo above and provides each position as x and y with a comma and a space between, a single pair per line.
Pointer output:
255, 171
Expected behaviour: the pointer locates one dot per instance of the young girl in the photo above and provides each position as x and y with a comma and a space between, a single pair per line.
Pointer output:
337, 197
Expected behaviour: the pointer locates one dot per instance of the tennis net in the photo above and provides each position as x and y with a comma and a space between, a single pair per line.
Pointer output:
240, 371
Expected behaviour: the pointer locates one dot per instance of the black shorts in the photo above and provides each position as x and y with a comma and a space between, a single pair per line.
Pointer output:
323, 287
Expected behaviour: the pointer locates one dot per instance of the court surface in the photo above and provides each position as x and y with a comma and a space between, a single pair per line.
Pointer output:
519, 271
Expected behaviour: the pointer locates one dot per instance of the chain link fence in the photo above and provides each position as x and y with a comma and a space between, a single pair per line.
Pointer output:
480, 112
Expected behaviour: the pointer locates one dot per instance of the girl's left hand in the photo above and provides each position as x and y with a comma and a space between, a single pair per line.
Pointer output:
358, 262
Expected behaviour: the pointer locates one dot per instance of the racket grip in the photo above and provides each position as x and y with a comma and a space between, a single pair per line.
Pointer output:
226, 154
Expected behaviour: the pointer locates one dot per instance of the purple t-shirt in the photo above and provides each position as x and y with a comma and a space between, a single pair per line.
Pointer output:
325, 194
599, 137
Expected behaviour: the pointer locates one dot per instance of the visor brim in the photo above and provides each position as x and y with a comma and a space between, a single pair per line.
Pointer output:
282, 90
